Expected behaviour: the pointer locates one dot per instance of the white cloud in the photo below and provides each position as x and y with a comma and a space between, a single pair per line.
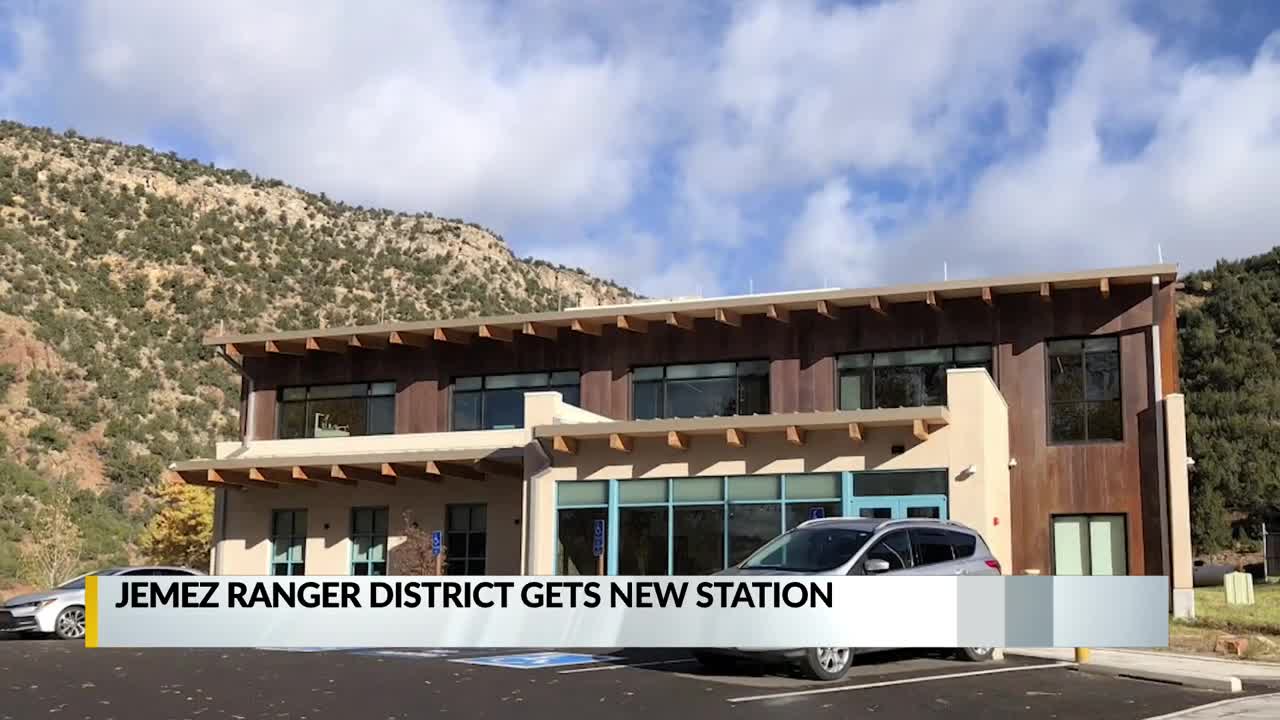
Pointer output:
832, 243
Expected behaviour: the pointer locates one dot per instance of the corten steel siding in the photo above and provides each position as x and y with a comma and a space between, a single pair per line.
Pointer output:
1049, 479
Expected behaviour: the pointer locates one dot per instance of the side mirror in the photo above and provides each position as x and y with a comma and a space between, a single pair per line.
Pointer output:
875, 565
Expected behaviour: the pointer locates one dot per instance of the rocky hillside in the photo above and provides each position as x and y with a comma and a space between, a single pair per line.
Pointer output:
115, 259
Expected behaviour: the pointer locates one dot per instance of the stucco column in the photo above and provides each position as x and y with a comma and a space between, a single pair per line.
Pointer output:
540, 408
1184, 599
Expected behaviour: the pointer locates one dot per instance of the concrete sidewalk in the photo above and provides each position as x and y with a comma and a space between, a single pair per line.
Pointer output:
1192, 670
1257, 707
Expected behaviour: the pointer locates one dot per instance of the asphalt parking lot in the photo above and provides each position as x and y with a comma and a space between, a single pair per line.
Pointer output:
45, 678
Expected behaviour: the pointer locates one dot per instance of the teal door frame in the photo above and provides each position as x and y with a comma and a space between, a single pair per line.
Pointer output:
898, 505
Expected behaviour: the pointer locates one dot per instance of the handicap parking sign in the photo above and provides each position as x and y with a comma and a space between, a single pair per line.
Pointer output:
435, 543
816, 513
597, 544
534, 661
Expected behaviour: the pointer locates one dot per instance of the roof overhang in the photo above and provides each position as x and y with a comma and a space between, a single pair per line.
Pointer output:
734, 430
637, 317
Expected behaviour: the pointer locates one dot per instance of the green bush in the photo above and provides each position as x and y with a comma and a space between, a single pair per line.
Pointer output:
46, 437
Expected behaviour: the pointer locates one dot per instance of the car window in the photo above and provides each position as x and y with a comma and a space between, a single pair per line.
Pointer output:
931, 546
170, 571
962, 543
143, 571
894, 548
808, 549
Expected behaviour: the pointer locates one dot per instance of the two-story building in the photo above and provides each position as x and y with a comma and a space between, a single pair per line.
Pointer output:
1041, 410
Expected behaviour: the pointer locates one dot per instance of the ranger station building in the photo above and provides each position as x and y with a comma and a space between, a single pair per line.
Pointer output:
1042, 411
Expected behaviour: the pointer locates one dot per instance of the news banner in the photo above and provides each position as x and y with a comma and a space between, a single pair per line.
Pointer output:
756, 611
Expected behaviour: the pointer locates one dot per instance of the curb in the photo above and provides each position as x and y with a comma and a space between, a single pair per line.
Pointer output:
1222, 683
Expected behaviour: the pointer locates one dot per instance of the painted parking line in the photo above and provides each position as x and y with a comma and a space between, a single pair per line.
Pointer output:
619, 666
889, 683
537, 661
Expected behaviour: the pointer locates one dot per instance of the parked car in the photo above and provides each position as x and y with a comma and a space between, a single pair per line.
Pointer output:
60, 611
858, 546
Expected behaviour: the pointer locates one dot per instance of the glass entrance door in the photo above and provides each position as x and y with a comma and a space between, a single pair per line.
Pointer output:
890, 507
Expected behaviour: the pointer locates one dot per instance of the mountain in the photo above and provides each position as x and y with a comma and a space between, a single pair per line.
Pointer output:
116, 259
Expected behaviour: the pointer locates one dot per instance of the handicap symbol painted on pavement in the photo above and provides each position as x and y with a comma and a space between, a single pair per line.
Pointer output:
417, 654
533, 661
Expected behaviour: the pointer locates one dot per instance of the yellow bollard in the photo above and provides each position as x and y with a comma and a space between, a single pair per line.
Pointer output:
1082, 655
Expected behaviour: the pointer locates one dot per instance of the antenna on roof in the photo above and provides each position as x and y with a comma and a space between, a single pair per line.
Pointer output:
1159, 254
944, 271
751, 286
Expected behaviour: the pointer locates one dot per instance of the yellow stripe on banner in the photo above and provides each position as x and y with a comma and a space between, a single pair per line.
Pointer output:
91, 611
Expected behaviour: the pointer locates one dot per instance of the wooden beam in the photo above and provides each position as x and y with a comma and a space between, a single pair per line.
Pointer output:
827, 310
778, 312
1104, 287
1046, 292
566, 445
931, 299
585, 327
402, 471
919, 429
728, 317
238, 477
409, 339
621, 443
359, 474
493, 332
855, 432
735, 438
684, 322
283, 476
878, 305
795, 435
201, 478
677, 441
451, 335
542, 330
500, 469
282, 347
986, 296
369, 342
319, 474
633, 324
456, 470
329, 345
246, 349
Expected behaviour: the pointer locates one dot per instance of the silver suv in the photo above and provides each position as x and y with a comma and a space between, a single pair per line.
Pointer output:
859, 546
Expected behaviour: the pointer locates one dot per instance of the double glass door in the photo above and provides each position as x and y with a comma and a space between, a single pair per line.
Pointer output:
897, 507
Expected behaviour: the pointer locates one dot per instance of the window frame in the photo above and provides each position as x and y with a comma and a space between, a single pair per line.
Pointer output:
271, 562
1088, 557
1048, 392
470, 531
991, 368
386, 539
875, 542
549, 387
737, 378
281, 404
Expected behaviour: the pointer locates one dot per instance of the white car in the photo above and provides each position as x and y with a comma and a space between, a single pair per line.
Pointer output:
61, 610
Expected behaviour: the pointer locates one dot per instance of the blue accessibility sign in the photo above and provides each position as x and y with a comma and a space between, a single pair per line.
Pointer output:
534, 661
435, 543
816, 513
597, 542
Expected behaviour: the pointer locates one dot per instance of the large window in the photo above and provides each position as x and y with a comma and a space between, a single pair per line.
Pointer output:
905, 378
497, 401
1090, 545
288, 542
705, 390
320, 411
369, 541
1084, 390
466, 539
581, 505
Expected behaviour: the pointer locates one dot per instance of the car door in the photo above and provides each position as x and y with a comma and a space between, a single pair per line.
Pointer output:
933, 552
892, 547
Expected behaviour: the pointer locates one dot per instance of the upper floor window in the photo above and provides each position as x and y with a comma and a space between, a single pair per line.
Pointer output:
905, 378
320, 411
1084, 390
704, 390
495, 402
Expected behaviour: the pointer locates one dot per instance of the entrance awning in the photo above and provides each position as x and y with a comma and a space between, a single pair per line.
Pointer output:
353, 468
734, 430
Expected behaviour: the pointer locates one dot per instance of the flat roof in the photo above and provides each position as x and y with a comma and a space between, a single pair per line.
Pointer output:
636, 316
929, 415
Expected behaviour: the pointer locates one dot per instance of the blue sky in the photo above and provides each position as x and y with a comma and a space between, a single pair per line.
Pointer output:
704, 148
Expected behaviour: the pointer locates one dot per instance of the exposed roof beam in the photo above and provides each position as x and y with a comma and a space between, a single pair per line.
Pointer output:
403, 471
368, 342
451, 335
566, 445
358, 473
827, 309
409, 339
684, 322
728, 317
621, 443
457, 470
1046, 292
1104, 287
283, 476
246, 349
320, 474
542, 330
495, 332
987, 297
778, 312
328, 345
677, 441
931, 299
794, 435
238, 477
284, 347
920, 430
878, 305
633, 324
735, 438
855, 432
585, 327
500, 469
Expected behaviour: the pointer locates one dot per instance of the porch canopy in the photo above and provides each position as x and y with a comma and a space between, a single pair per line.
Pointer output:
314, 470
734, 430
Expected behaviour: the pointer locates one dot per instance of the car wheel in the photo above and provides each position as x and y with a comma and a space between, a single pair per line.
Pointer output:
70, 623
714, 662
976, 654
826, 663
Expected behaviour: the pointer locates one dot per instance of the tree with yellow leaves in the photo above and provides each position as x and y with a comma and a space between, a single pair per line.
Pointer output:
181, 531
